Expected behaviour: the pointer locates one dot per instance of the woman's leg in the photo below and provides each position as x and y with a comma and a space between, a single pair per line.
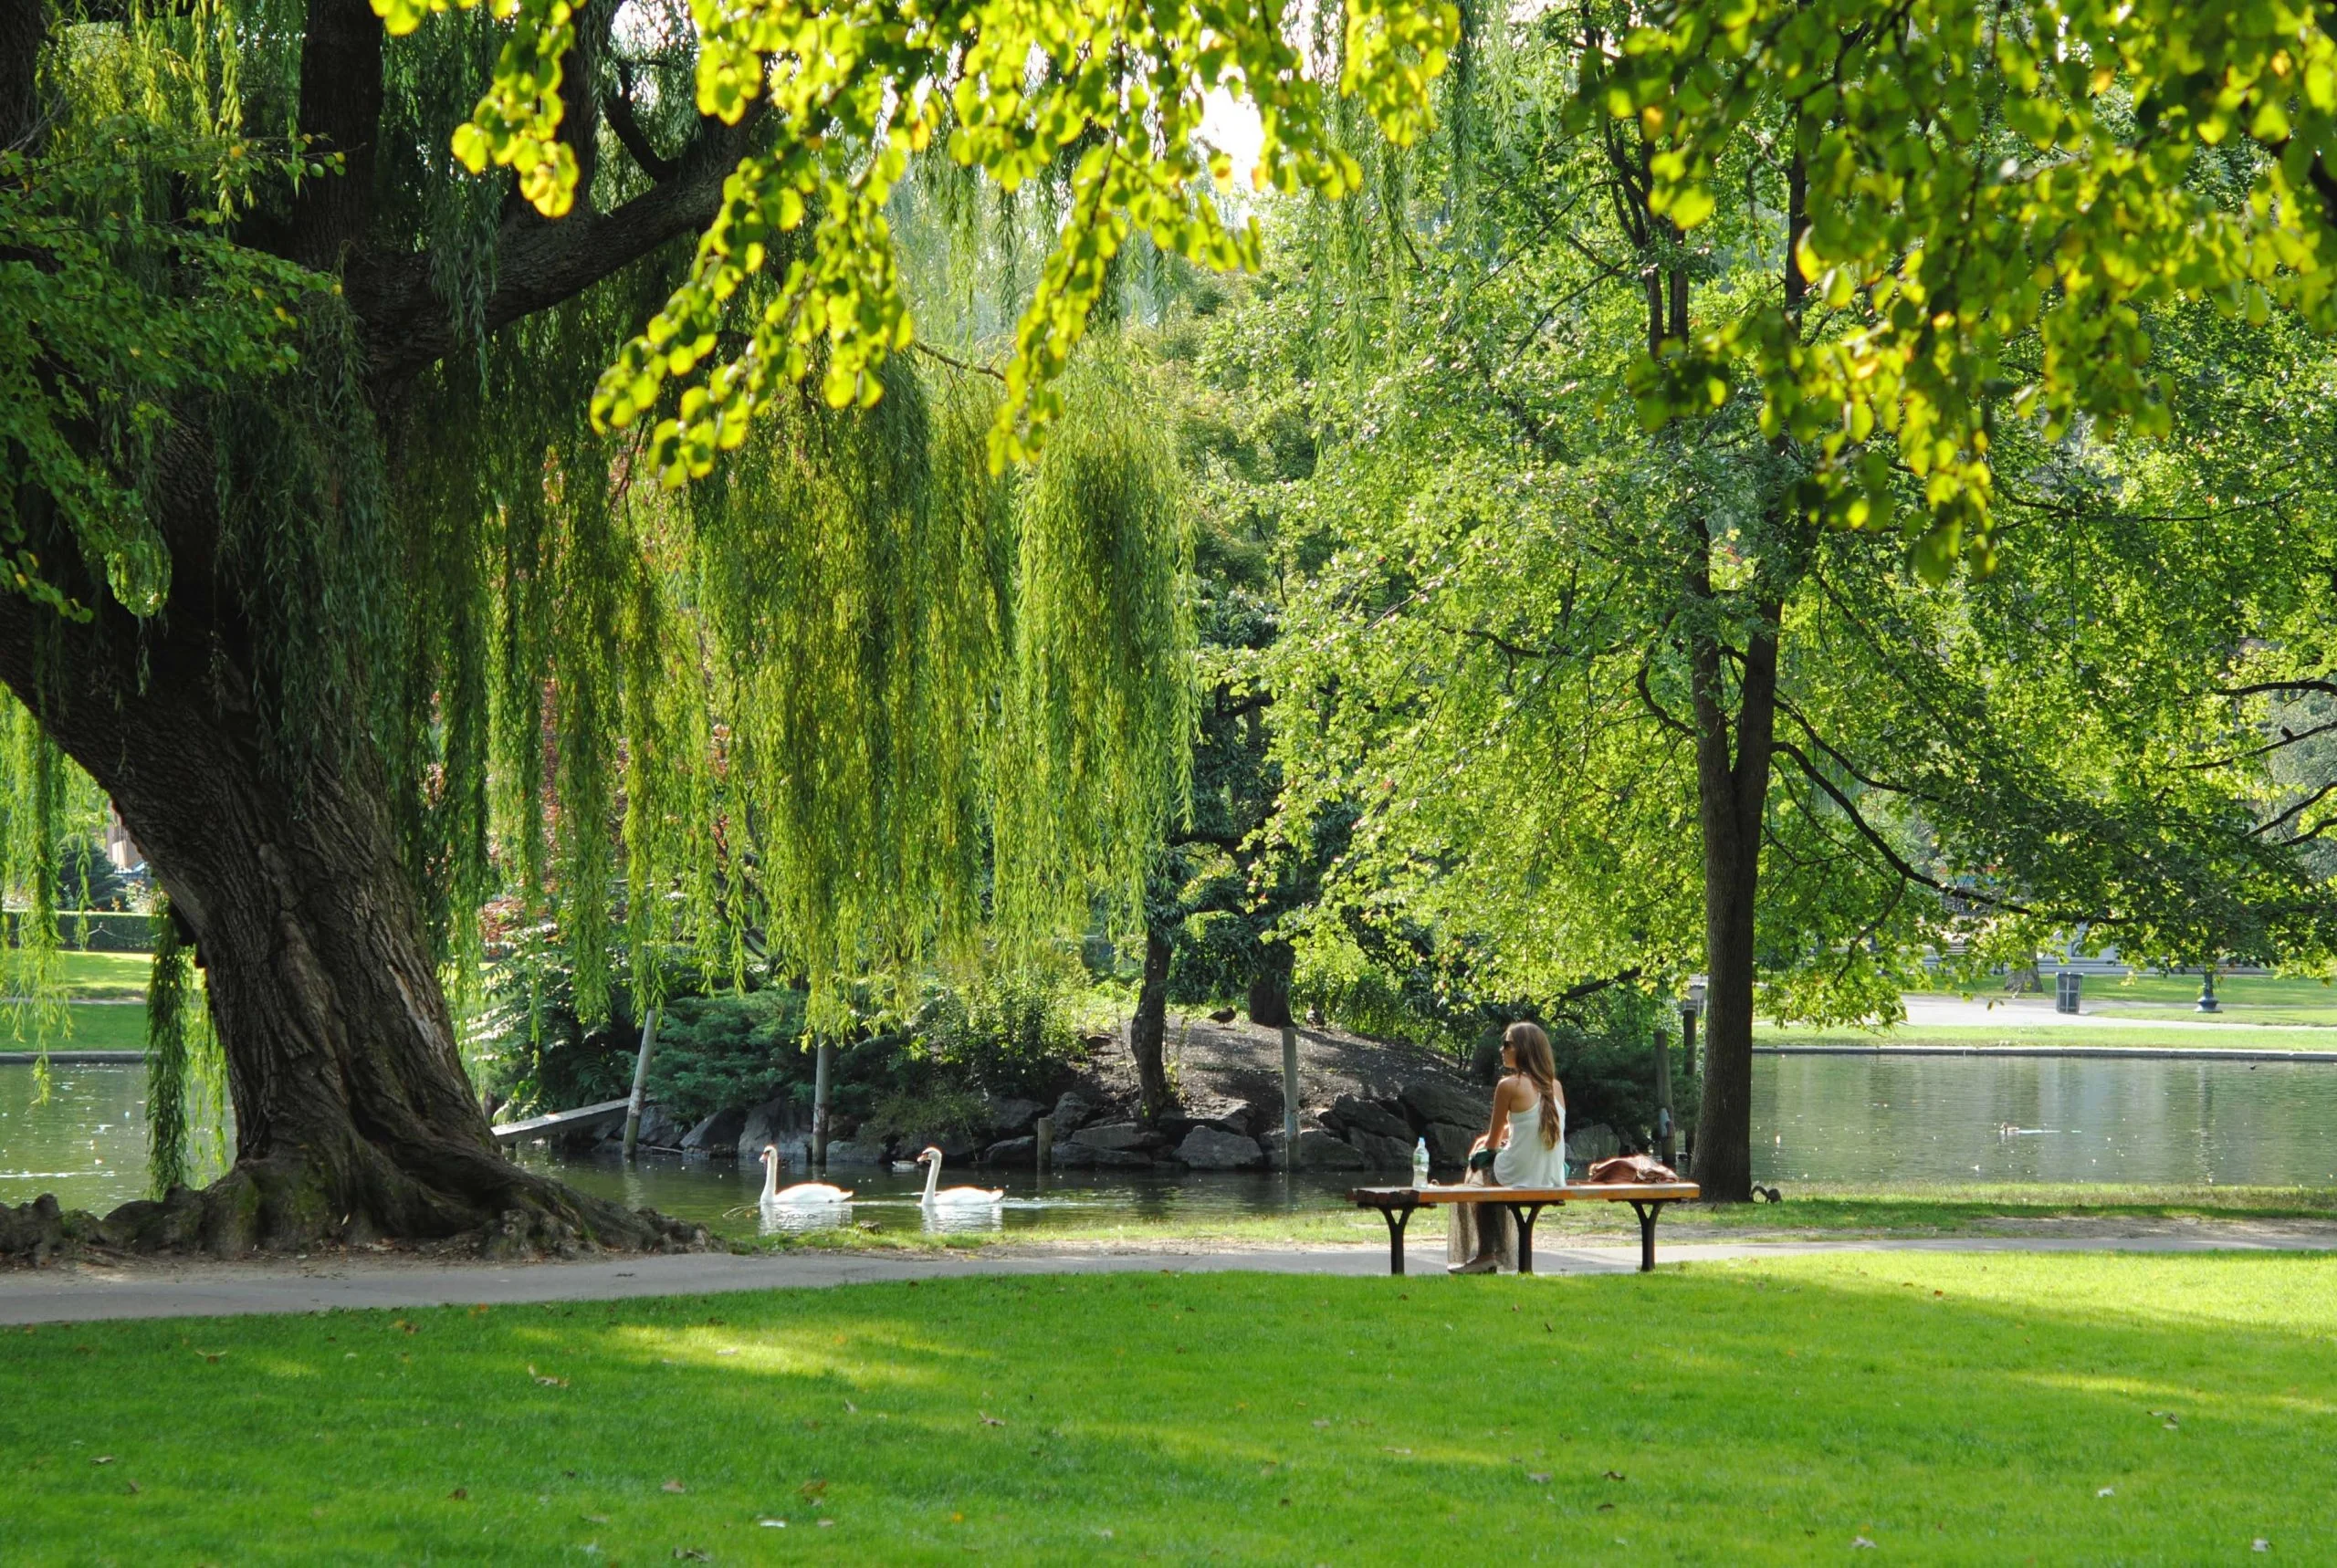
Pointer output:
1484, 1234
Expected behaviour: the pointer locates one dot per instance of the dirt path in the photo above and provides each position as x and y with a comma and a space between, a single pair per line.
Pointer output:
91, 1292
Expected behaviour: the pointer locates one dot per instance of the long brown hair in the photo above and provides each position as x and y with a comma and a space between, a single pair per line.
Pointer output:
1532, 1047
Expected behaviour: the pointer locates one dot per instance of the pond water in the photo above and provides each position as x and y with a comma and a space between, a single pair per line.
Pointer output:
87, 1144
1902, 1119
1882, 1120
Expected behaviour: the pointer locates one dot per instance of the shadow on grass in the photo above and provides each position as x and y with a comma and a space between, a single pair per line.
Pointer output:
1957, 1408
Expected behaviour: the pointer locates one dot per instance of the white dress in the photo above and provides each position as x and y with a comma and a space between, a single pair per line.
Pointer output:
1524, 1160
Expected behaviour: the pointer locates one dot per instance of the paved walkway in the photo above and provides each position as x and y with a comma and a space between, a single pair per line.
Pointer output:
1925, 1008
89, 1293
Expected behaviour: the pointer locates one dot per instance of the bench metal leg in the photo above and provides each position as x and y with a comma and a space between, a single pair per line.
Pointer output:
1397, 1217
1647, 1210
1526, 1214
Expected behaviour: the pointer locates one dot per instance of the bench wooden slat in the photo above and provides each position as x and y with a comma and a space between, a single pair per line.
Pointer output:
1396, 1206
1575, 1192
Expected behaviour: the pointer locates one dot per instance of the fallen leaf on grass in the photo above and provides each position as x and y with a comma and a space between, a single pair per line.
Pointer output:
988, 1420
460, 1494
402, 1323
827, 1524
102, 1459
1858, 1541
1615, 1475
728, 1350
772, 1523
692, 1554
1539, 1477
813, 1487
211, 1355
546, 1382
596, 1519
848, 1404
2260, 1545
2107, 1492
1320, 1424
133, 1489
1602, 1508
676, 1486
1395, 1450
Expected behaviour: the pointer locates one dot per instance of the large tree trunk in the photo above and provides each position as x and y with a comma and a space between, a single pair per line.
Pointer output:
1147, 1030
354, 1115
354, 1118
1732, 799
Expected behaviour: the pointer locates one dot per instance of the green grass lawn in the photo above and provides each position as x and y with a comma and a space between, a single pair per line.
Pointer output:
1994, 1208
87, 976
1946, 1408
2240, 1036
95, 1026
2246, 998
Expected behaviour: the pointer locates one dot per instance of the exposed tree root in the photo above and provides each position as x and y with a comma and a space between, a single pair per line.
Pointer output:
276, 1206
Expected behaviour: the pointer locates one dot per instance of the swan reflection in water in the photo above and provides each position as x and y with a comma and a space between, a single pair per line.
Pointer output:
782, 1220
963, 1220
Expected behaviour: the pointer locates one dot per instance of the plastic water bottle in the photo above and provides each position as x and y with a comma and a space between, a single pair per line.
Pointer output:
1419, 1162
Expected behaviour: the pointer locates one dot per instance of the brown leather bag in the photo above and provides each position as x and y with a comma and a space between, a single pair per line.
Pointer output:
1630, 1170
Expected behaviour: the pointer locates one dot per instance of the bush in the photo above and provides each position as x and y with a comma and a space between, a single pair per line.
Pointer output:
1604, 1049
1008, 1033
720, 1051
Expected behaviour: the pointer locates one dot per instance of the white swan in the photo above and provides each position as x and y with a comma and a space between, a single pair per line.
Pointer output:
801, 1193
956, 1197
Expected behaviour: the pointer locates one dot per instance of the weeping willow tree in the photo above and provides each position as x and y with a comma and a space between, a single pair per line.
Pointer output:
364, 584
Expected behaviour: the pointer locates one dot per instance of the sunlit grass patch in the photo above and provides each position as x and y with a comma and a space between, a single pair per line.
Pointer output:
1953, 1407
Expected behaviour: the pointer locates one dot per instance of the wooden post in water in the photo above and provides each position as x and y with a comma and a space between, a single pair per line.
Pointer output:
822, 1061
640, 1081
1289, 1096
1044, 1132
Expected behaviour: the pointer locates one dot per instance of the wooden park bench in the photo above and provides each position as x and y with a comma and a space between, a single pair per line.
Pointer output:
1395, 1206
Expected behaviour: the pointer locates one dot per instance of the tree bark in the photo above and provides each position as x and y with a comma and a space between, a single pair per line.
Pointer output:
1147, 1030
354, 1118
1733, 792
1732, 800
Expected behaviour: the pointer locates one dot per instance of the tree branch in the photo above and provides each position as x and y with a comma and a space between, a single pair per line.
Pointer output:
937, 357
1882, 847
1662, 715
2324, 686
1844, 763
340, 107
617, 108
2296, 810
539, 265
1592, 987
2288, 738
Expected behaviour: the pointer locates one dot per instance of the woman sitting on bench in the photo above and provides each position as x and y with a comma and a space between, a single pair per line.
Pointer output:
1527, 1134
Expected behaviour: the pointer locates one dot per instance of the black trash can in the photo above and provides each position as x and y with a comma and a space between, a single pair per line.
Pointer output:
2066, 987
